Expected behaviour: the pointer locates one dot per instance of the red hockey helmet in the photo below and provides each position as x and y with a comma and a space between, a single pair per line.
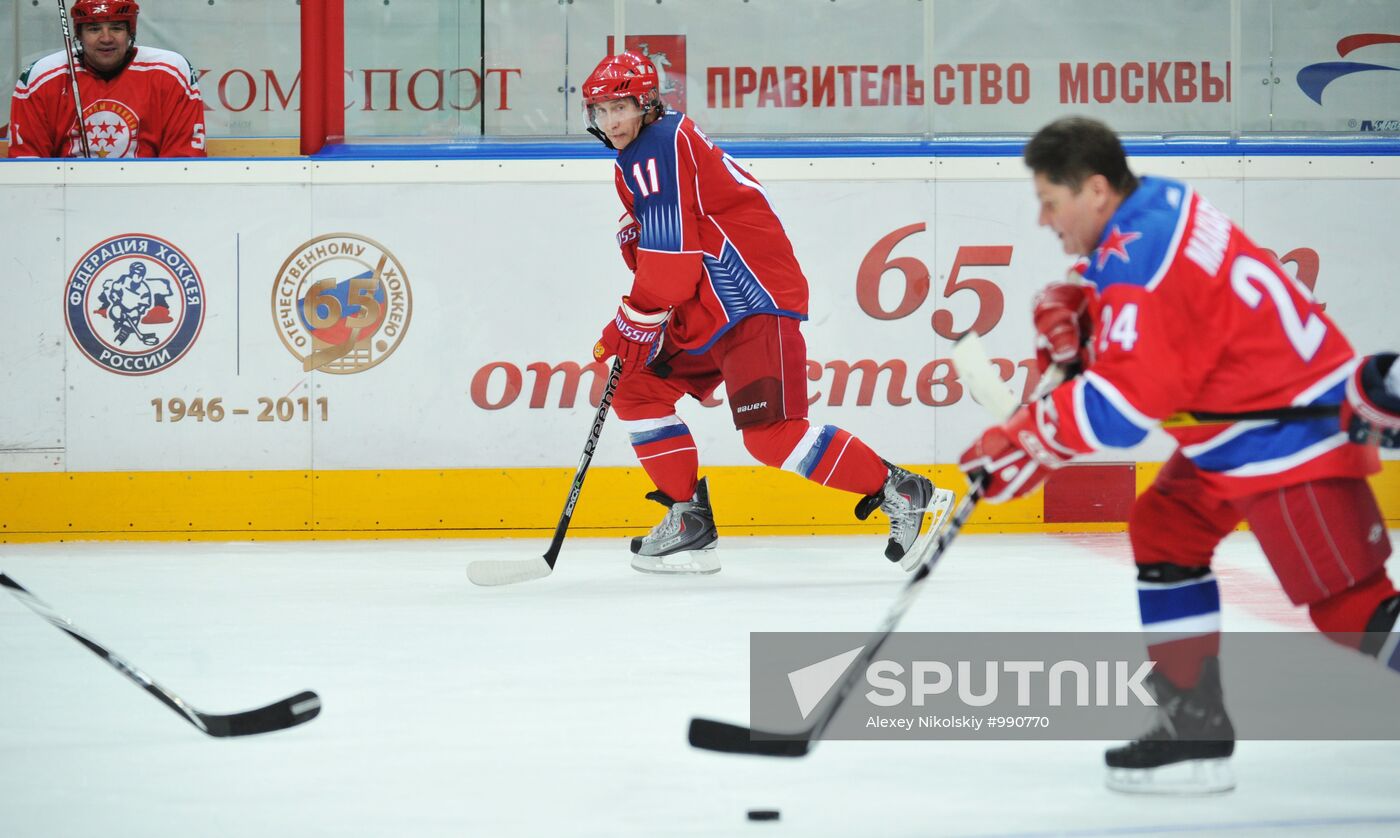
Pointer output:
622, 76
619, 76
99, 11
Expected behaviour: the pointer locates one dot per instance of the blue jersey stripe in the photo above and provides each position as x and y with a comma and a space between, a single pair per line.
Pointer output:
1276, 440
1108, 424
1271, 442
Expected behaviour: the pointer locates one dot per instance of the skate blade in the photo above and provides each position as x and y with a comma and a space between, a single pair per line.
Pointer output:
939, 511
1196, 776
691, 562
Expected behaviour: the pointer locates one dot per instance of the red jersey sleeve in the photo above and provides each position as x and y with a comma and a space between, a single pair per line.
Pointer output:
182, 111
38, 94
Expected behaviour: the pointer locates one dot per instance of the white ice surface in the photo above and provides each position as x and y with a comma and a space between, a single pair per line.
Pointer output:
560, 706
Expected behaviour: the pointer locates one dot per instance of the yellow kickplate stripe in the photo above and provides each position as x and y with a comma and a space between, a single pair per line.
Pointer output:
455, 503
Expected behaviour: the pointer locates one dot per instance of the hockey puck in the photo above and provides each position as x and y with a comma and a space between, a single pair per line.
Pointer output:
763, 814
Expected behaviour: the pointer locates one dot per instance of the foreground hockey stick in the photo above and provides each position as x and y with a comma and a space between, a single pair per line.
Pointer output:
981, 378
736, 739
507, 571
73, 75
987, 388
289, 712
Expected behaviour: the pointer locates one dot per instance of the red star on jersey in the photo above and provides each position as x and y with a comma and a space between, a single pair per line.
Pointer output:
1114, 245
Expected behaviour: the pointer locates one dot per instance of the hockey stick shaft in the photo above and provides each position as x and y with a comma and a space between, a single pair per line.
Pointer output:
589, 446
981, 378
1294, 413
289, 712
73, 76
712, 735
906, 598
493, 572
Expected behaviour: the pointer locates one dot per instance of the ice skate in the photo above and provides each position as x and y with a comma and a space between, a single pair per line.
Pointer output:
1188, 752
908, 499
684, 541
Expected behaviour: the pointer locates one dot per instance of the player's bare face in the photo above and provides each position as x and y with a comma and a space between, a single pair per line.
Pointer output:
1076, 216
620, 120
105, 44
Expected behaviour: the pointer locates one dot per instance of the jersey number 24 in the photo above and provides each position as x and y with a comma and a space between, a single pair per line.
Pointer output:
1247, 276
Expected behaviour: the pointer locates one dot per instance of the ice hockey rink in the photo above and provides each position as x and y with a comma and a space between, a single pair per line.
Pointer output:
560, 706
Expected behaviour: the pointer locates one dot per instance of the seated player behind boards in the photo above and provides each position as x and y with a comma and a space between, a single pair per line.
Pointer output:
717, 296
136, 101
1173, 308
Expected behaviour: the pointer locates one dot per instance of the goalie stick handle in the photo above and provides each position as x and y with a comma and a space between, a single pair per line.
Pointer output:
594, 432
73, 76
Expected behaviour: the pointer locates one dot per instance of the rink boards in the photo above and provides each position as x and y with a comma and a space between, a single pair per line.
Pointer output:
307, 348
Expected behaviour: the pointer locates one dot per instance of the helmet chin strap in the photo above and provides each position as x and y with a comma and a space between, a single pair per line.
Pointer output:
604, 137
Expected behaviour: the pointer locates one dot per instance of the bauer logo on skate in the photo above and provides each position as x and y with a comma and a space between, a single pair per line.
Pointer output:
134, 304
341, 303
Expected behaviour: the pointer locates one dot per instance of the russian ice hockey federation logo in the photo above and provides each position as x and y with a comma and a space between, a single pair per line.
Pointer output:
134, 304
341, 303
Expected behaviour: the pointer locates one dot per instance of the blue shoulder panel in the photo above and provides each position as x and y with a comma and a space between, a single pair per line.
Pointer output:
1140, 236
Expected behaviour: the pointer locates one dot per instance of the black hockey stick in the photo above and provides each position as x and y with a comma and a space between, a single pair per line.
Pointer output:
507, 571
289, 712
1292, 413
984, 382
73, 76
711, 735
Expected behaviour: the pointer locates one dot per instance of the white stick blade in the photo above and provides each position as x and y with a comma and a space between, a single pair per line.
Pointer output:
492, 572
979, 375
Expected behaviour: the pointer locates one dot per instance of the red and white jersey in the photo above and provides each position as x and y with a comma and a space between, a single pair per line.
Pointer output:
1193, 316
151, 108
711, 245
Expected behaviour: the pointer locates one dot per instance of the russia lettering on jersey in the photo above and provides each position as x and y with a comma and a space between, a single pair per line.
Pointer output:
711, 245
1193, 316
151, 108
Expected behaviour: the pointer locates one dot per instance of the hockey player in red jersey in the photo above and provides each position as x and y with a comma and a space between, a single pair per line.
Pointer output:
137, 101
1174, 309
717, 297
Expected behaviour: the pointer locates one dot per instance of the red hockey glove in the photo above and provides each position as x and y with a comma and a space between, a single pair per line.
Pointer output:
631, 335
629, 233
1371, 411
1064, 326
1018, 456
